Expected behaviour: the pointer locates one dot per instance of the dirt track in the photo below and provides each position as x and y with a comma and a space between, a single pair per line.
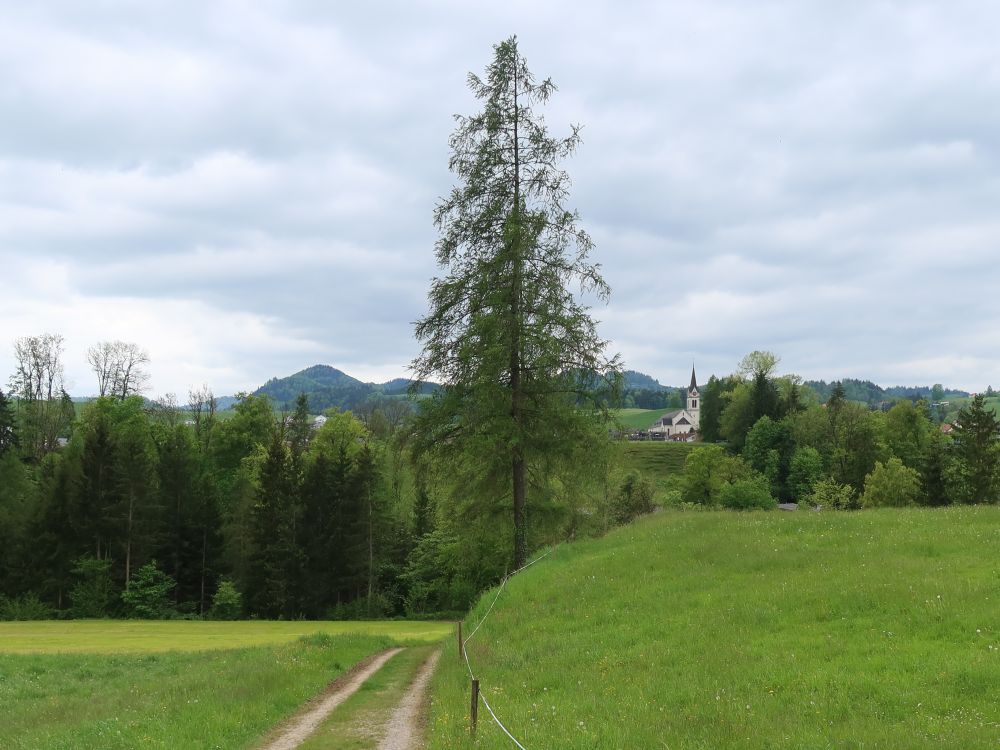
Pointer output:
296, 729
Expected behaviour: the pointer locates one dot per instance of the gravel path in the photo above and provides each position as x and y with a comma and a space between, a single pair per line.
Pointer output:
305, 723
403, 730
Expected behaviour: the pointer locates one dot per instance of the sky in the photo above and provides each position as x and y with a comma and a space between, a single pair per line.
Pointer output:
246, 189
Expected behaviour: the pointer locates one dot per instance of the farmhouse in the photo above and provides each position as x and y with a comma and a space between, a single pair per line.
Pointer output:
683, 423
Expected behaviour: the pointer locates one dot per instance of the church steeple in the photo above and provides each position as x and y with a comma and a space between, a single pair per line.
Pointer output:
693, 399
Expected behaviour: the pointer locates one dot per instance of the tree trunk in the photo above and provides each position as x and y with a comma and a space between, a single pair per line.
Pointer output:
516, 409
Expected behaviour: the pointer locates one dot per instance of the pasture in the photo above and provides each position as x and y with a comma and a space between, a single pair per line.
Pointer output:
751, 630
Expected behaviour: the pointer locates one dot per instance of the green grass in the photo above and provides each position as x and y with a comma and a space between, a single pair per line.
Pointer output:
875, 629
210, 699
355, 725
639, 419
123, 636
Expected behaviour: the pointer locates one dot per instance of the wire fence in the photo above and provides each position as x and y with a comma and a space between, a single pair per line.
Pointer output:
465, 651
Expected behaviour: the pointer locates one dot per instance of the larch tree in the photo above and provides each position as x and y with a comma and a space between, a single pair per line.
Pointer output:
514, 347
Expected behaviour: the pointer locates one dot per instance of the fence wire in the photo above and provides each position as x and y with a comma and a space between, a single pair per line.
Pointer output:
465, 651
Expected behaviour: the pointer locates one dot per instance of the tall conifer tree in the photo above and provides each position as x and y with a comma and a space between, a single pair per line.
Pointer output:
513, 345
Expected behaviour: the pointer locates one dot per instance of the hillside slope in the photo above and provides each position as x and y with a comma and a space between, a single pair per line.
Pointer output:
714, 630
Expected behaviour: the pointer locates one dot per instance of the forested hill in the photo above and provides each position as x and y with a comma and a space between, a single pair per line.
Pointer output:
328, 387
867, 392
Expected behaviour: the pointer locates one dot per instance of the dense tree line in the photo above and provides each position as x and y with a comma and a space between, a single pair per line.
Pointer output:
148, 509
298, 519
777, 441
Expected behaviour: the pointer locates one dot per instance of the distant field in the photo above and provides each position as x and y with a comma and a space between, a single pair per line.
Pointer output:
873, 629
639, 419
655, 459
138, 636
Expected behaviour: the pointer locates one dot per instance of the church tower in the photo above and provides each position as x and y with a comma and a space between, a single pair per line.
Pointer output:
694, 400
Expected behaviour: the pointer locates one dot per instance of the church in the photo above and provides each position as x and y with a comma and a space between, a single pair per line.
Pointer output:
683, 423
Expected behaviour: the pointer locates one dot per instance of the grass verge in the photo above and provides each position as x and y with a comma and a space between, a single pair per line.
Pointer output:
876, 629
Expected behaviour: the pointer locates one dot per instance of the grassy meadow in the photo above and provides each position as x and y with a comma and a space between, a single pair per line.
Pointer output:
639, 419
110, 685
875, 629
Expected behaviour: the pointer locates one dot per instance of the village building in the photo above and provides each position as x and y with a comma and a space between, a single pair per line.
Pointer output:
683, 423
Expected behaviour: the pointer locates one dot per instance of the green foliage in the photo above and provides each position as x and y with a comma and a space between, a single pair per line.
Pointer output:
768, 449
634, 498
892, 484
805, 470
94, 592
973, 475
829, 493
227, 604
512, 344
148, 594
707, 469
907, 431
8, 425
276, 565
26, 607
934, 471
747, 494
438, 577
853, 440
713, 402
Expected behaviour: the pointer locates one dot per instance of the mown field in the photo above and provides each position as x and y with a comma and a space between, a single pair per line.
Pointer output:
875, 629
128, 691
131, 636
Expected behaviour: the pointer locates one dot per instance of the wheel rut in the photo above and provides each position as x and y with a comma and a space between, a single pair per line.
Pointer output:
298, 728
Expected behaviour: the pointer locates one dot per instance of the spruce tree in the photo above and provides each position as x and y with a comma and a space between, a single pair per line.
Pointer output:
512, 345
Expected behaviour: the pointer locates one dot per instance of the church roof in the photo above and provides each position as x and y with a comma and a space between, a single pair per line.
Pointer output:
668, 418
694, 380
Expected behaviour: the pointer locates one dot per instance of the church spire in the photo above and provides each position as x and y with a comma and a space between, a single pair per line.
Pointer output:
694, 380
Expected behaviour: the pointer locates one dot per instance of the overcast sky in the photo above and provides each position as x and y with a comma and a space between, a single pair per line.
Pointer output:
246, 189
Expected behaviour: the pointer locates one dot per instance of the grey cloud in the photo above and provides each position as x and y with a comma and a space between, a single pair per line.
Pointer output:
819, 179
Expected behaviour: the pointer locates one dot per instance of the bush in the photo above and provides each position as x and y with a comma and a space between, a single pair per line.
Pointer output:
634, 498
227, 604
891, 484
747, 494
829, 493
148, 594
27, 607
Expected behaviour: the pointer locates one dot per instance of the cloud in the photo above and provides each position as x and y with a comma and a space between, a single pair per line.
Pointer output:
249, 190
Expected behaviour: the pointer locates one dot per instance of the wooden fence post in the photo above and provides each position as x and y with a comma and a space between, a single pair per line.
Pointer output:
475, 704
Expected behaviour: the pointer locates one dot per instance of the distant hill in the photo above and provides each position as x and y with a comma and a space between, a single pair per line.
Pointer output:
636, 381
327, 387
869, 393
